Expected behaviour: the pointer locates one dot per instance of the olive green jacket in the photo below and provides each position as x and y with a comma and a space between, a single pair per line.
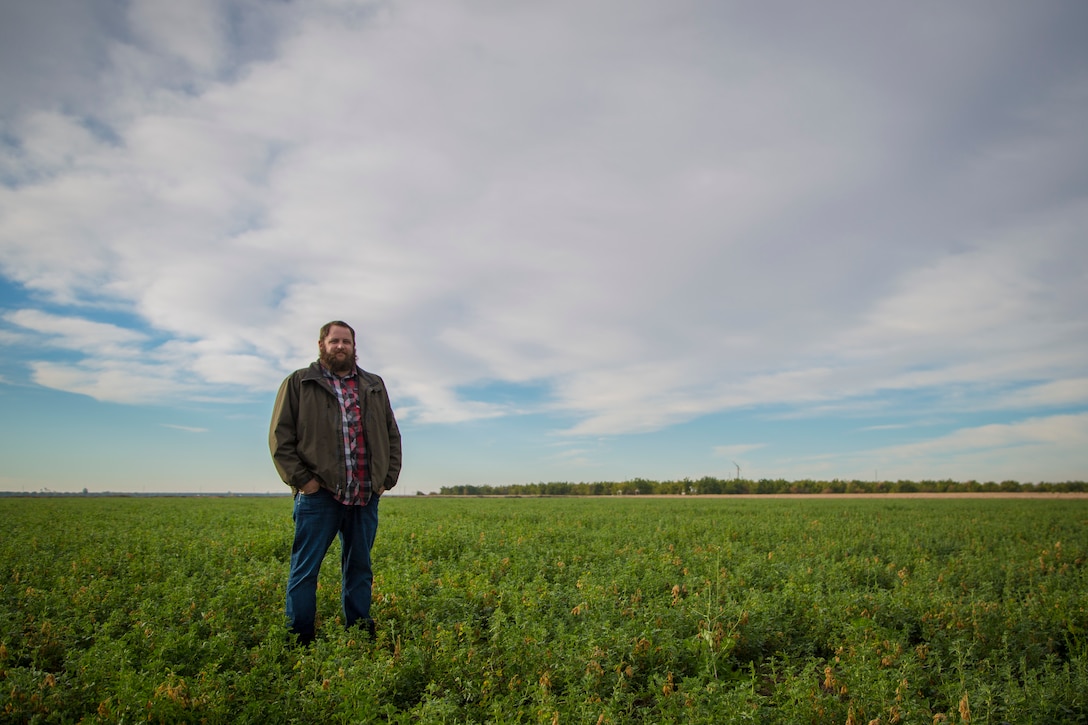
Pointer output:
306, 436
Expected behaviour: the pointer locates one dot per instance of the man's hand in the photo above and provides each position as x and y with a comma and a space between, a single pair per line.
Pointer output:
310, 487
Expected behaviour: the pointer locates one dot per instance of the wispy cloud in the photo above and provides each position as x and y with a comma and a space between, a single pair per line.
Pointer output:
1058, 393
76, 333
1031, 436
1045, 448
185, 428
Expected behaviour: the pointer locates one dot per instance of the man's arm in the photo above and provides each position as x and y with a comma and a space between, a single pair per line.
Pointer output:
283, 438
394, 447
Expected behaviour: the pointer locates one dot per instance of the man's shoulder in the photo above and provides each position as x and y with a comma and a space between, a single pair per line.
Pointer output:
310, 372
368, 377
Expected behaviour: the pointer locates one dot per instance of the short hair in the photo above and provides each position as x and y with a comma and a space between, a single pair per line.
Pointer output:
328, 325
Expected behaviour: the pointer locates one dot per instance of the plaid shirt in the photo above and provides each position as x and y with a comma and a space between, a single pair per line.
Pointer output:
358, 486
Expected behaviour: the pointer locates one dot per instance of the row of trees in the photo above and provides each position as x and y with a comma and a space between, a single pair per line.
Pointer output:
711, 485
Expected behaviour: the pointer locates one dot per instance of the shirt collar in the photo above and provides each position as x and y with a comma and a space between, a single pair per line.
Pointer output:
333, 376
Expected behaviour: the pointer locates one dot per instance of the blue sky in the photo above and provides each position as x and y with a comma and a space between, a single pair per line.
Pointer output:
580, 241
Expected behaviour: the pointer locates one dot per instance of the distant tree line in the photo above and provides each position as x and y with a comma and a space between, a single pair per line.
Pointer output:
711, 485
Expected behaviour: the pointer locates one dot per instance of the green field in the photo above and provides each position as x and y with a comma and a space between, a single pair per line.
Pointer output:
554, 610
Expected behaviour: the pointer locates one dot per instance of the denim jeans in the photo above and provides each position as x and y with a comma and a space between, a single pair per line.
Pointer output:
319, 518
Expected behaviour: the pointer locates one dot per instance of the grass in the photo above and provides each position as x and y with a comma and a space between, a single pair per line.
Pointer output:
554, 610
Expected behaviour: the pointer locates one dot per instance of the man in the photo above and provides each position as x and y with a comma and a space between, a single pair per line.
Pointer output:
336, 444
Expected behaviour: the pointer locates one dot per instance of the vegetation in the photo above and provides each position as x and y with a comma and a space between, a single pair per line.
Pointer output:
711, 485
554, 611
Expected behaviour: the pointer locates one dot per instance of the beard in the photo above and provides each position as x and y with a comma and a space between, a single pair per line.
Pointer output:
339, 363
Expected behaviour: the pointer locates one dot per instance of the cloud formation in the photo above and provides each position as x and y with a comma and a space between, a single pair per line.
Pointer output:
652, 211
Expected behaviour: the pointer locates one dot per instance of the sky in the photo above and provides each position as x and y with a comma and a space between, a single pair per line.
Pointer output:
580, 241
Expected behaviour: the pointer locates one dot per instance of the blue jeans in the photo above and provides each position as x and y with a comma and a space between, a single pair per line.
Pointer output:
319, 518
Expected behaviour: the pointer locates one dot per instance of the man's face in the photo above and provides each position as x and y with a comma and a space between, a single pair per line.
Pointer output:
338, 350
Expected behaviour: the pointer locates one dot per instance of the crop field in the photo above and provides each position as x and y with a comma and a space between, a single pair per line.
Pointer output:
601, 610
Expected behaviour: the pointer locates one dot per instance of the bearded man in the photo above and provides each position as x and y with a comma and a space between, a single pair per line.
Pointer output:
335, 442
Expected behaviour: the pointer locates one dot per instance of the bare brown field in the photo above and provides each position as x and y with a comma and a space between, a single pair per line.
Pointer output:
984, 494
1073, 495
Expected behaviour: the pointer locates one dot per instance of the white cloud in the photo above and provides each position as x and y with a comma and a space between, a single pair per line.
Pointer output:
1060, 393
185, 428
52, 142
661, 211
1044, 448
192, 32
75, 333
1058, 430
109, 381
118, 364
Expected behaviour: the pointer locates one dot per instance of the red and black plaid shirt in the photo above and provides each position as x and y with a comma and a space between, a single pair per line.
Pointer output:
357, 491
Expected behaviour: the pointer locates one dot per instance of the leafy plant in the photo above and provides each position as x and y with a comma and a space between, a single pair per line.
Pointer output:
553, 610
